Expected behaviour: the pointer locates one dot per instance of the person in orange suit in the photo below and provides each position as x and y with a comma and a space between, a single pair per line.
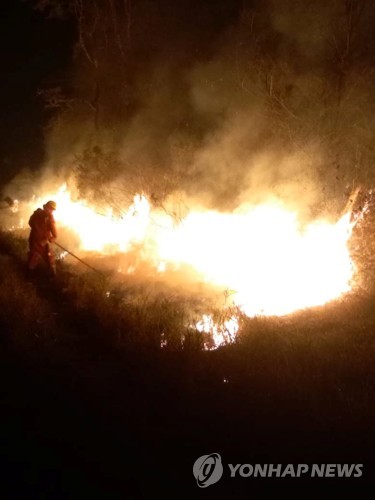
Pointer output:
43, 233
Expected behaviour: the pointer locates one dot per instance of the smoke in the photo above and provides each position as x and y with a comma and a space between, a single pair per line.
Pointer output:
255, 101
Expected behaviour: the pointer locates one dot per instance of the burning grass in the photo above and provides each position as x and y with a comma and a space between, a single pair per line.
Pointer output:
272, 263
142, 308
167, 290
294, 388
323, 355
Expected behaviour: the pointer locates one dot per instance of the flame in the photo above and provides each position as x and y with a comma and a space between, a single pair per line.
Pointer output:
221, 334
273, 265
101, 232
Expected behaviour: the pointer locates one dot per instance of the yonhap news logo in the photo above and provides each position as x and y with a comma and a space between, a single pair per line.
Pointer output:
208, 470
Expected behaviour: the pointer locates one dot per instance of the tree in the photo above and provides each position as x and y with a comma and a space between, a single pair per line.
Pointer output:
102, 52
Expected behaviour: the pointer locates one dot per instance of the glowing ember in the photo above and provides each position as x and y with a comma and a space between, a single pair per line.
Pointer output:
14, 207
62, 255
274, 265
221, 334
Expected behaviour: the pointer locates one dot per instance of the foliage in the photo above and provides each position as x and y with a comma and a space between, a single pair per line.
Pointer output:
362, 242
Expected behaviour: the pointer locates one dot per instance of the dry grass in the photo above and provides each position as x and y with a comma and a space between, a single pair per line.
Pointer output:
24, 316
289, 390
323, 356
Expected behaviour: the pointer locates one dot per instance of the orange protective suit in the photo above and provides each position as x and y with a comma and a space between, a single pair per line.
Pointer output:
43, 232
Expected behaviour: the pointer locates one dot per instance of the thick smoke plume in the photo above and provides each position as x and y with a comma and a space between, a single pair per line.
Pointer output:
216, 103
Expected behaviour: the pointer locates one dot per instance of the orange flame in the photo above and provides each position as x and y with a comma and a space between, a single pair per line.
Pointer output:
274, 265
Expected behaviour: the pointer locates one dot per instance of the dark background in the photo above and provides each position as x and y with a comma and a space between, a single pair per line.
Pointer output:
34, 52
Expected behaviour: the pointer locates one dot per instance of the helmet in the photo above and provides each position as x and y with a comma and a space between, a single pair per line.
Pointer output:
50, 204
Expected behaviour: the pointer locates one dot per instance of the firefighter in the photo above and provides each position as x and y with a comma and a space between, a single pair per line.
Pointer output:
43, 233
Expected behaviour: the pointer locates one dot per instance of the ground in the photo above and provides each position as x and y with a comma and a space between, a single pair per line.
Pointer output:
93, 409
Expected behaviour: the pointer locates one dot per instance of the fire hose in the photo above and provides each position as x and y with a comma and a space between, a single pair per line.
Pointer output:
80, 260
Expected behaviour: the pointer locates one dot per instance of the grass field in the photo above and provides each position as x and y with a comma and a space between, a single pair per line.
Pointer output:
93, 405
